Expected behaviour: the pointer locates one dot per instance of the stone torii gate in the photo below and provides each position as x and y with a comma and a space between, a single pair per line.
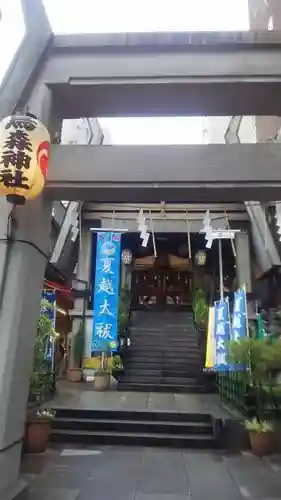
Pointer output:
131, 75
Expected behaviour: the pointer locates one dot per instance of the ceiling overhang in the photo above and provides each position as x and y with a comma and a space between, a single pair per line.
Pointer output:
213, 173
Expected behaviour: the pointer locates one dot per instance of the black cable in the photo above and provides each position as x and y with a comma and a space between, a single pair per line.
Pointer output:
9, 446
38, 249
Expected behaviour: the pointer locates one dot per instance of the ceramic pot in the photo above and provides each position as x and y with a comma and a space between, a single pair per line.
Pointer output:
102, 381
37, 434
262, 443
74, 374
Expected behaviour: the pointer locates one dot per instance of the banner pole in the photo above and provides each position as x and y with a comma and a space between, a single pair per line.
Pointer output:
210, 348
220, 270
54, 325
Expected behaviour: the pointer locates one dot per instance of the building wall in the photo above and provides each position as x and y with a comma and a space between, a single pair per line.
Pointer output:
266, 15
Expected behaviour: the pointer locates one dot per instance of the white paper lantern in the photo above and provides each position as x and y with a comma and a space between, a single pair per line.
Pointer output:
24, 155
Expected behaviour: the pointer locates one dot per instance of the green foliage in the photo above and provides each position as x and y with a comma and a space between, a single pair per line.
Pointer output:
117, 363
257, 357
257, 426
200, 309
124, 309
45, 331
273, 324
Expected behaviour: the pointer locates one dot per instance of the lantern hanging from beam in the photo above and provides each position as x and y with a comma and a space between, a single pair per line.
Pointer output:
24, 155
127, 256
200, 258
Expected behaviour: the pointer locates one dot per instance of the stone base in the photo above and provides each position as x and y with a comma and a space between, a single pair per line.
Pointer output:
230, 434
19, 492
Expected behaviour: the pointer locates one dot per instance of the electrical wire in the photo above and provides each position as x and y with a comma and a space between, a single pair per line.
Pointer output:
9, 239
219, 217
147, 207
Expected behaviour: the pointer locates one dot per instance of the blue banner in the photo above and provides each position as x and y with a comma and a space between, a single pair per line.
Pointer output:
106, 292
50, 296
239, 328
222, 335
239, 318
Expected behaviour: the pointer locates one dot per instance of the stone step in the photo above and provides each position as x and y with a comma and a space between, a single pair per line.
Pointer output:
173, 381
162, 372
165, 345
140, 439
166, 356
133, 427
164, 388
150, 363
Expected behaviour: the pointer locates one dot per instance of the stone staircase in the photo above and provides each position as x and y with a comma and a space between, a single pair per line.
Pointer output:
164, 355
135, 428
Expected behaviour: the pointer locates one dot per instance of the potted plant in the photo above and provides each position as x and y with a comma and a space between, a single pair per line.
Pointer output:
255, 358
38, 421
102, 375
74, 373
38, 430
261, 436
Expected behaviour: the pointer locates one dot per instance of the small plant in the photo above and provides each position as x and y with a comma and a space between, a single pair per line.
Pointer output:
41, 366
200, 309
117, 363
103, 361
258, 426
123, 310
45, 414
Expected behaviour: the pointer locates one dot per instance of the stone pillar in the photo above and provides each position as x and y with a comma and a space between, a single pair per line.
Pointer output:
123, 274
22, 282
243, 262
80, 307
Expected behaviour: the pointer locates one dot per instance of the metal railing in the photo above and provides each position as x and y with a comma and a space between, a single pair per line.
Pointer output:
239, 396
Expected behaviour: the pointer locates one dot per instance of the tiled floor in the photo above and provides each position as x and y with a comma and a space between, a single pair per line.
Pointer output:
83, 396
118, 473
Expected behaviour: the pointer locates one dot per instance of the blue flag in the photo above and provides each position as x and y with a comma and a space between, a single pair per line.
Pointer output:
239, 328
239, 319
50, 296
222, 335
106, 292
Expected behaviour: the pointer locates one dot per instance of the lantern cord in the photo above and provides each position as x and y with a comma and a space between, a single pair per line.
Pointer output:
10, 221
